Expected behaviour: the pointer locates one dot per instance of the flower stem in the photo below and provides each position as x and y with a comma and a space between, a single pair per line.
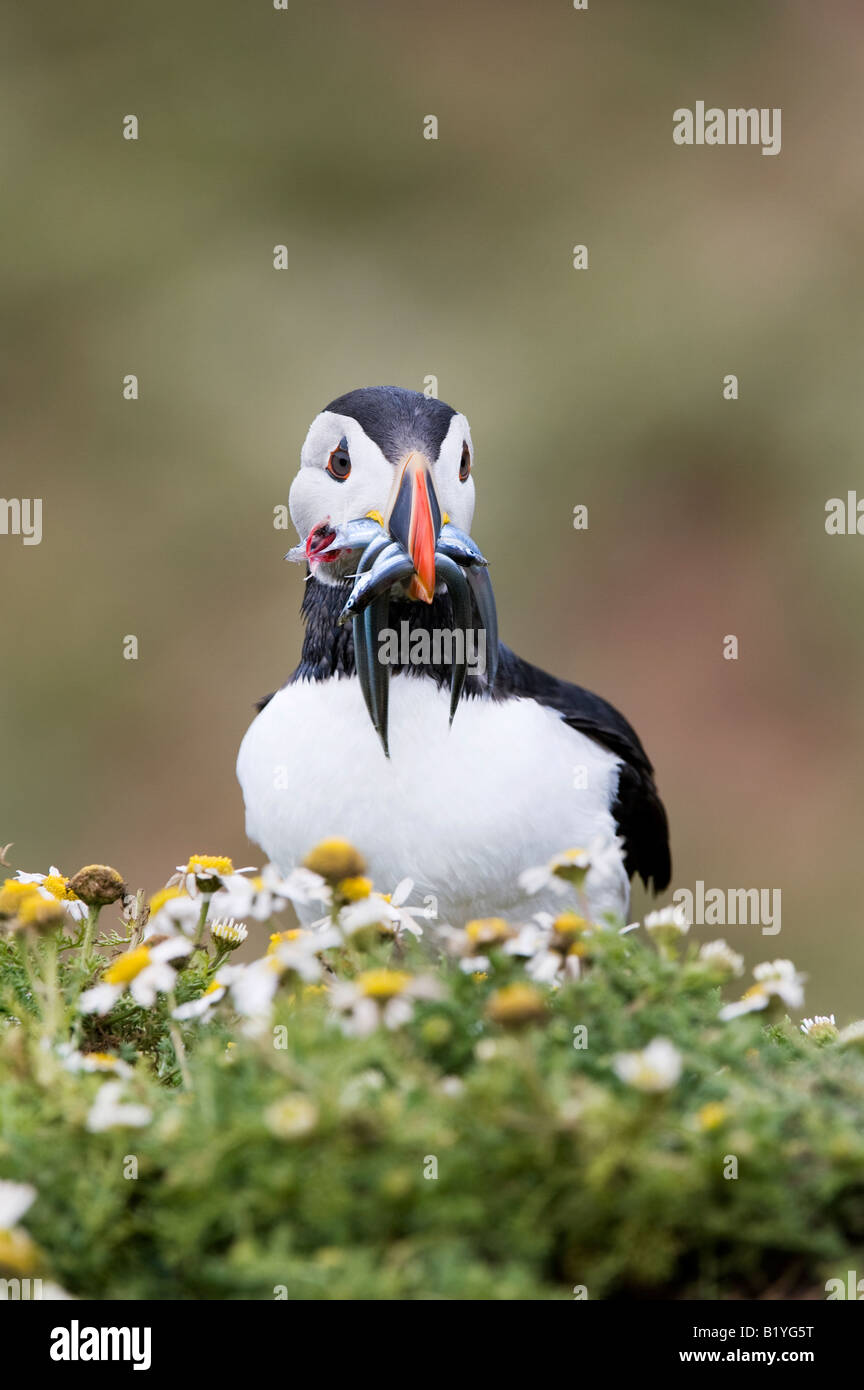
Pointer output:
177, 1043
90, 928
202, 918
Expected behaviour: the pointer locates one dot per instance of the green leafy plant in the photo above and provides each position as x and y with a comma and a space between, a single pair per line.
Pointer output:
560, 1110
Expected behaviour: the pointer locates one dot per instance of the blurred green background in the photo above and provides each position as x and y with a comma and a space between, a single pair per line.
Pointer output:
410, 257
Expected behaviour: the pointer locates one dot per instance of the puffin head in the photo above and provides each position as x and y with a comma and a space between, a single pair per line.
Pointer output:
388, 455
384, 499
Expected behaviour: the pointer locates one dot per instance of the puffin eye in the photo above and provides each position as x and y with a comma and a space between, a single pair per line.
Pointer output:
464, 464
339, 462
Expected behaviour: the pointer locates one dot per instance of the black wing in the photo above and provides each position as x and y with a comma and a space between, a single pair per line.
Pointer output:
639, 813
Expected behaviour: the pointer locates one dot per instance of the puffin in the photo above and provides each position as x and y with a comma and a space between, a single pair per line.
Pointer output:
408, 728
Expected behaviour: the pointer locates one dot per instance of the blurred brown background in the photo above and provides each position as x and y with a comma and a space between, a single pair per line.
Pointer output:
411, 257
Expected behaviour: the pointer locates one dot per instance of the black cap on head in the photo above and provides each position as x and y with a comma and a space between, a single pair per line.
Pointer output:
397, 419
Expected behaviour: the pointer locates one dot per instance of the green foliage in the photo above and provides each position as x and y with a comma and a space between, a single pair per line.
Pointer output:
302, 1160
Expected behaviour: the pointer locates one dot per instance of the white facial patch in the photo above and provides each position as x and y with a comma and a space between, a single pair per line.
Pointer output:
455, 497
318, 499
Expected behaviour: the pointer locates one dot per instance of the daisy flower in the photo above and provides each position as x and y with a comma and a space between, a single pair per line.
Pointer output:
597, 869
667, 925
108, 1112
517, 1004
229, 935
776, 979
387, 911
269, 893
821, 1028
173, 912
205, 873
93, 1061
201, 1007
852, 1035
380, 997
254, 986
145, 971
51, 885
655, 1069
569, 868
468, 942
558, 947
720, 956
292, 1117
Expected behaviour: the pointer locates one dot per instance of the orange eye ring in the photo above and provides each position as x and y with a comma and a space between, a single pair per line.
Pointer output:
339, 462
465, 464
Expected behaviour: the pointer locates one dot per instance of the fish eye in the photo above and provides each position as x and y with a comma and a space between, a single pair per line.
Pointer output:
339, 462
465, 464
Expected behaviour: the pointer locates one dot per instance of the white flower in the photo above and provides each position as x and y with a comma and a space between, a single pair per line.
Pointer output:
558, 873
291, 953
853, 1033
599, 869
145, 970
15, 1199
717, 953
668, 920
229, 934
451, 1085
548, 944
263, 897
776, 979
819, 1027
176, 915
656, 1068
93, 1061
53, 886
391, 913
478, 936
359, 1089
200, 1008
107, 1112
206, 873
380, 996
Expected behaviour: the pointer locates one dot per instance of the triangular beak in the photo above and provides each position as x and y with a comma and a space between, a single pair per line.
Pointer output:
415, 522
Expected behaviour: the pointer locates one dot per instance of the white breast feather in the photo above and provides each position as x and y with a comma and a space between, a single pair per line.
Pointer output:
462, 810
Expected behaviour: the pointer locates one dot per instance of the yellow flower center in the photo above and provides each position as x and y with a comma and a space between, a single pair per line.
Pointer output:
486, 931
127, 966
570, 924
213, 986
278, 937
38, 911
335, 859
59, 886
382, 983
218, 863
517, 1003
165, 895
13, 893
712, 1115
17, 1252
355, 888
